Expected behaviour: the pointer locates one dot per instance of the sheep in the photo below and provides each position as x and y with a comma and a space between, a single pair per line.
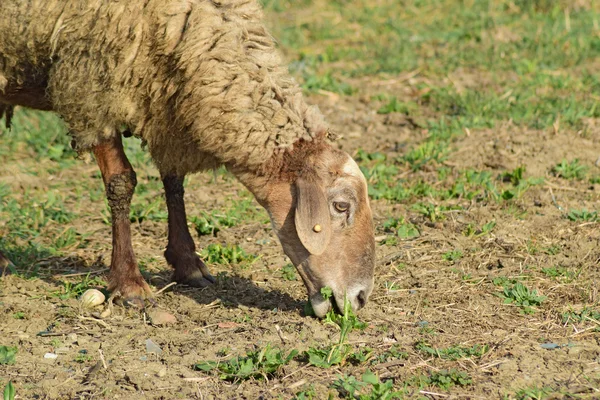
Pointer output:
202, 84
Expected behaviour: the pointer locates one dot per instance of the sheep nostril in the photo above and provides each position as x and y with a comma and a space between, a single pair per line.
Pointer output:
362, 299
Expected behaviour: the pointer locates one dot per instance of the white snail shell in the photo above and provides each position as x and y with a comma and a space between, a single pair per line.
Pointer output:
92, 298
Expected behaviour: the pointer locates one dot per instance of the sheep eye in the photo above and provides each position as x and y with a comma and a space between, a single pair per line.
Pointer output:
341, 206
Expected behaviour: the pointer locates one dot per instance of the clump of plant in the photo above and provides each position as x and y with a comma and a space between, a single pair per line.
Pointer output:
217, 254
338, 353
9, 392
452, 353
401, 228
368, 388
570, 170
445, 379
256, 364
71, 290
393, 353
582, 215
520, 295
7, 355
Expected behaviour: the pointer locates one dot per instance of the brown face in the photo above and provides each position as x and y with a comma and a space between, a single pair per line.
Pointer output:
325, 226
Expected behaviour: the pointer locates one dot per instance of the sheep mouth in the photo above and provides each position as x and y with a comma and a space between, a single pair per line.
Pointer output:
320, 305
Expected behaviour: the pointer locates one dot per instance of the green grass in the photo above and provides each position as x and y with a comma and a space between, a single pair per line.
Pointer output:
369, 387
393, 105
432, 72
393, 353
338, 353
288, 272
520, 295
83, 357
70, 290
452, 256
228, 254
427, 38
584, 315
9, 392
445, 379
533, 393
19, 315
306, 394
525, 52
7, 355
451, 353
570, 170
400, 228
257, 364
561, 273
582, 215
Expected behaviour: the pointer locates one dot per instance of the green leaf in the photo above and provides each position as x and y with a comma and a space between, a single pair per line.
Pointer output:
326, 292
7, 355
370, 377
206, 366
9, 392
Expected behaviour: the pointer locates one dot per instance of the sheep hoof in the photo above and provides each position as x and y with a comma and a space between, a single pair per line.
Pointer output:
192, 272
195, 279
134, 302
135, 294
198, 281
138, 302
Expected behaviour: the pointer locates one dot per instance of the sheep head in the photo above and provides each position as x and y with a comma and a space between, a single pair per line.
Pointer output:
323, 220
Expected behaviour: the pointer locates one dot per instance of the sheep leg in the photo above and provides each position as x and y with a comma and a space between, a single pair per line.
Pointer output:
181, 250
119, 178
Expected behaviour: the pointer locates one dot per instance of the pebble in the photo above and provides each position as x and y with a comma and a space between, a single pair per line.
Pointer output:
159, 317
152, 347
50, 356
62, 350
106, 313
162, 372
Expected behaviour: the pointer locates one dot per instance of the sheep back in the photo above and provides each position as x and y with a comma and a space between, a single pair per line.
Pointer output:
200, 82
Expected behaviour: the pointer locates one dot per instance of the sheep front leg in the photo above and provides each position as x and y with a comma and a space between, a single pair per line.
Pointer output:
120, 180
181, 250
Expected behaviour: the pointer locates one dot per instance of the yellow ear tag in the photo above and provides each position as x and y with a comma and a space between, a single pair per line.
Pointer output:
317, 228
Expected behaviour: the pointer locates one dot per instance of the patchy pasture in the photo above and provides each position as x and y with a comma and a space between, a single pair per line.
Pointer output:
476, 124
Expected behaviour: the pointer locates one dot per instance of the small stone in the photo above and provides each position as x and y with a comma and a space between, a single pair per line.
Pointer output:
550, 346
50, 356
72, 337
159, 317
153, 348
162, 372
62, 350
106, 313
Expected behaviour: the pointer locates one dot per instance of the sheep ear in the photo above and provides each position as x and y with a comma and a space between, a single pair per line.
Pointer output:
312, 219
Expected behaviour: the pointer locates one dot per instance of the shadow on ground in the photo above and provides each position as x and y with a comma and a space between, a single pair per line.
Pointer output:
230, 289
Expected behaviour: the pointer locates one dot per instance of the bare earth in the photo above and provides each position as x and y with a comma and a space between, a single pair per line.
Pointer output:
246, 308
420, 297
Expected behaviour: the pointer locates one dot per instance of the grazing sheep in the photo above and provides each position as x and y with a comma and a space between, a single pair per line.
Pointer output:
202, 84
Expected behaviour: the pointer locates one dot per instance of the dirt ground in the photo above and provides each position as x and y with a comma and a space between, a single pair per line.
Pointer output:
247, 308
424, 297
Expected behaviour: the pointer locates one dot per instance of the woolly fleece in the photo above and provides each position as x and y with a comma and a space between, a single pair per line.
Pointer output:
200, 82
